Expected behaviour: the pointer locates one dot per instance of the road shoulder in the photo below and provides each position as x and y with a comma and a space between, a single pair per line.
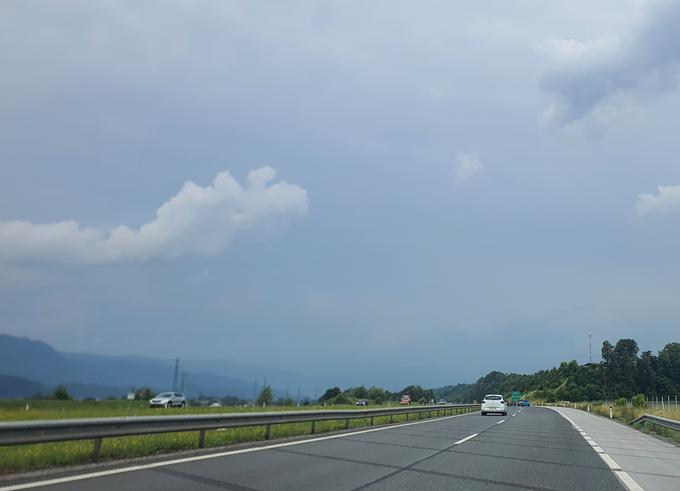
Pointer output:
650, 463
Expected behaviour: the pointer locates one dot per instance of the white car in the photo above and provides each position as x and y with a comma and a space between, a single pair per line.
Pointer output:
168, 400
494, 403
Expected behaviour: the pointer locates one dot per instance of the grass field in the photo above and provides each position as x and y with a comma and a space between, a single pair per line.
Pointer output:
40, 456
16, 410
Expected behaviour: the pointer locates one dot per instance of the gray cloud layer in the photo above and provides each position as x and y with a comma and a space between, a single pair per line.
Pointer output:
595, 77
197, 220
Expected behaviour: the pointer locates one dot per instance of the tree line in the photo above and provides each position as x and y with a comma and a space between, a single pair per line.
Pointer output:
623, 372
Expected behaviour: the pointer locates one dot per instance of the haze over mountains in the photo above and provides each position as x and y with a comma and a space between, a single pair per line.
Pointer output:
28, 366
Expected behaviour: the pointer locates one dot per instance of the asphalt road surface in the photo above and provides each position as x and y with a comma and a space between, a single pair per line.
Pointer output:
530, 448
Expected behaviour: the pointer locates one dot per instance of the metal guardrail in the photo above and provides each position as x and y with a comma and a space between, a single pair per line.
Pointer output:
671, 424
60, 430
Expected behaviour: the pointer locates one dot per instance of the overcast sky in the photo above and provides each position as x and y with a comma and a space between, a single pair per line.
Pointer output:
382, 192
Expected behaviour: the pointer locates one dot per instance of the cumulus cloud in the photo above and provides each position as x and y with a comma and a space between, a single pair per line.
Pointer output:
196, 221
666, 200
467, 166
594, 78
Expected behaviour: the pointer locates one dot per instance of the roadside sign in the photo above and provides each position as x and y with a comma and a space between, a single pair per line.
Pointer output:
516, 395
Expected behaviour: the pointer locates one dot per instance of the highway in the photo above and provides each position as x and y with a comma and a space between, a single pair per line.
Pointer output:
530, 448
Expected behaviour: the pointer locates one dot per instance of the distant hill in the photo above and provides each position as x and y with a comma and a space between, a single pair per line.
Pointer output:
12, 387
88, 375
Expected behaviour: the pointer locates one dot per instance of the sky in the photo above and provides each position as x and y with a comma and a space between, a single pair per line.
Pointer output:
382, 192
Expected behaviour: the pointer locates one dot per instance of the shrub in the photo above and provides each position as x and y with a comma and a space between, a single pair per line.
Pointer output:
341, 399
621, 402
639, 400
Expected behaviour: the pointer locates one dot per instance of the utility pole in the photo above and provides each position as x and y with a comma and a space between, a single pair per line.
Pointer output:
174, 380
183, 374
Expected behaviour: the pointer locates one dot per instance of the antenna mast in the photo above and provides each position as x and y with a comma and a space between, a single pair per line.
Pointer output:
174, 380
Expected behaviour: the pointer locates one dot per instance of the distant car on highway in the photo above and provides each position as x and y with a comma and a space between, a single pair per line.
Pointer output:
168, 400
442, 402
361, 402
524, 403
405, 399
494, 403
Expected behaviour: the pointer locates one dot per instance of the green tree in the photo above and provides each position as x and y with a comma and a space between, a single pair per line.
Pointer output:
266, 396
376, 394
669, 368
61, 394
143, 394
331, 393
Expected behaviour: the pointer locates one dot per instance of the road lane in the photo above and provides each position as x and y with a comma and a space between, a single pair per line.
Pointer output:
535, 449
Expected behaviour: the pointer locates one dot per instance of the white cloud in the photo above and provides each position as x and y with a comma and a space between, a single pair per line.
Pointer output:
467, 166
666, 200
197, 220
594, 79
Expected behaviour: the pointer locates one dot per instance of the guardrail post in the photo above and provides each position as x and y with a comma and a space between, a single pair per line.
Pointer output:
201, 438
371, 420
406, 416
347, 423
267, 432
391, 418
313, 427
96, 449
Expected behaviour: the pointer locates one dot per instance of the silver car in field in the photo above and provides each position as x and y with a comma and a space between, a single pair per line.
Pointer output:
168, 400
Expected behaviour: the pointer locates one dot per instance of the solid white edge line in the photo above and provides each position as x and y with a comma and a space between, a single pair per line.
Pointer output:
620, 474
133, 468
466, 439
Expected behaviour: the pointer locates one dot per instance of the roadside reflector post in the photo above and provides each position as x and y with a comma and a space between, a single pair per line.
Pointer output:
588, 407
96, 449
201, 438
611, 412
267, 432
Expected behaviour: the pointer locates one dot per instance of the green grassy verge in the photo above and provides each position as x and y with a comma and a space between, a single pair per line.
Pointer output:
16, 410
39, 456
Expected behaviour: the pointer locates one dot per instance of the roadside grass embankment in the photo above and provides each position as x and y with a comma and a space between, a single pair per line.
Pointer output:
628, 413
22, 458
